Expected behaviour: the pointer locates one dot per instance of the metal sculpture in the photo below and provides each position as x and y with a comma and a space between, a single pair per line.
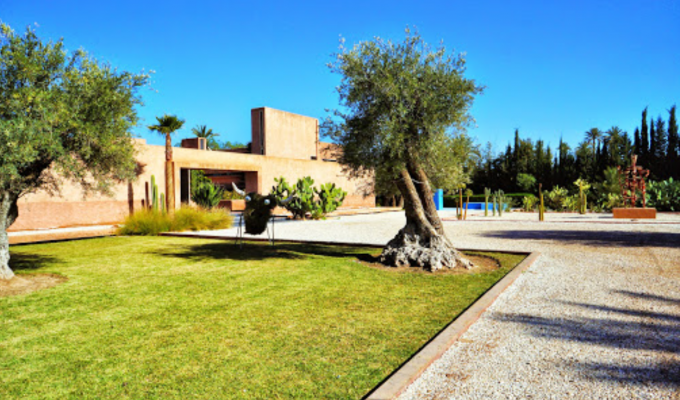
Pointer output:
634, 180
258, 210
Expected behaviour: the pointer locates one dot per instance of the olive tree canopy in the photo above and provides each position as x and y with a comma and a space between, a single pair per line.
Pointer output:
401, 104
60, 114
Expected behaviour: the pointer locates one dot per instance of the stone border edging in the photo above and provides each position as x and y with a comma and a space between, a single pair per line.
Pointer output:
392, 386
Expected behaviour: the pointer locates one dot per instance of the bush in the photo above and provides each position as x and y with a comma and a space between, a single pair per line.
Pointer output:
664, 195
150, 223
207, 195
328, 198
557, 198
529, 203
526, 182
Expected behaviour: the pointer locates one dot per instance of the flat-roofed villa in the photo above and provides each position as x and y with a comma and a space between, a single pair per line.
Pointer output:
283, 144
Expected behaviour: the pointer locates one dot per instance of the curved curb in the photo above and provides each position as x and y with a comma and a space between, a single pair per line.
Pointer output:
400, 379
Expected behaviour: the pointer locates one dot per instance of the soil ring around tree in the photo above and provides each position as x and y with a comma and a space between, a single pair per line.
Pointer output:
482, 263
29, 283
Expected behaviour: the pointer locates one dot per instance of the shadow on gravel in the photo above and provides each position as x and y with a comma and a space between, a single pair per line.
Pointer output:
593, 238
621, 328
648, 296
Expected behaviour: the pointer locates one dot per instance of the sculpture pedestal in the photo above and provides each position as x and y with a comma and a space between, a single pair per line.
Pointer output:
635, 213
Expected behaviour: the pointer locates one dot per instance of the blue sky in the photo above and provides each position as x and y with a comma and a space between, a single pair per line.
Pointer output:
550, 68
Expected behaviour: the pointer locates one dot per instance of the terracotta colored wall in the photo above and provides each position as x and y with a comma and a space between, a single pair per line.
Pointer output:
42, 210
288, 135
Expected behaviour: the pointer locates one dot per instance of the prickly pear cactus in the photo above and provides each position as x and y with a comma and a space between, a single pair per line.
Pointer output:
329, 199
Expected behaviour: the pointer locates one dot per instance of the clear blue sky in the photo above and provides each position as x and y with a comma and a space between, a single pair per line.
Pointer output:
551, 68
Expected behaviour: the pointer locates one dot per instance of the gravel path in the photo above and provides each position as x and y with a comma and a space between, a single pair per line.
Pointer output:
596, 317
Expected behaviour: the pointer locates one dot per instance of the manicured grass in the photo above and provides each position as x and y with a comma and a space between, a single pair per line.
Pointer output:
161, 317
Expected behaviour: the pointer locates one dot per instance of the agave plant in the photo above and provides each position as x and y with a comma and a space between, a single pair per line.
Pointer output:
207, 195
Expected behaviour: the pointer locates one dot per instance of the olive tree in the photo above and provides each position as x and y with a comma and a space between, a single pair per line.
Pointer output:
61, 115
400, 103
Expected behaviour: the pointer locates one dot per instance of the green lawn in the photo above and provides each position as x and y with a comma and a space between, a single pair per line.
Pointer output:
159, 317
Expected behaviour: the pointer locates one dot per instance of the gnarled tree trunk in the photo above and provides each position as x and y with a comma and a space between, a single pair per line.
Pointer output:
422, 242
8, 214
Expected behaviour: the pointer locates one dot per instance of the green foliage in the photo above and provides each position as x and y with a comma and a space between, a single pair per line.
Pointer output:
329, 199
163, 203
557, 198
202, 131
150, 222
403, 100
529, 203
167, 125
500, 199
308, 200
582, 199
526, 182
207, 195
664, 195
66, 112
231, 195
154, 193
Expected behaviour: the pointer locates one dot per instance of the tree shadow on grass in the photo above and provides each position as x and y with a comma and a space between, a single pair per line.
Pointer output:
258, 251
646, 330
29, 262
594, 238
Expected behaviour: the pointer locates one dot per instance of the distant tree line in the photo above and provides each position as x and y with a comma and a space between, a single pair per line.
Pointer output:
525, 163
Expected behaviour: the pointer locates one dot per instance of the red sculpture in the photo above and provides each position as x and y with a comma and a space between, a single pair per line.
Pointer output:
634, 180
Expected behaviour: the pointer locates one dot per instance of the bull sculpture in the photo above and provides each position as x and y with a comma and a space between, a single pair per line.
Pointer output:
258, 209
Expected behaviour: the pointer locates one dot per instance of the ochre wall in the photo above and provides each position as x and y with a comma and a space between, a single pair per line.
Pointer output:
42, 210
288, 135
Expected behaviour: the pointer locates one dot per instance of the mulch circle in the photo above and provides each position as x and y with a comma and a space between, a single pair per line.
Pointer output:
482, 263
28, 283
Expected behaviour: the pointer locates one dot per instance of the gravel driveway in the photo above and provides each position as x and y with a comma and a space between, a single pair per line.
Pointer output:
596, 317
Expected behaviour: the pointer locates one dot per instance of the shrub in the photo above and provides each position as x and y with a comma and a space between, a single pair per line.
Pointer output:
198, 219
557, 198
664, 195
529, 203
149, 222
329, 199
526, 182
207, 195
308, 200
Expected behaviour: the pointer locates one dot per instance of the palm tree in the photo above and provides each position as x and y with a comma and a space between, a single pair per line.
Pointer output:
203, 131
613, 137
167, 125
594, 135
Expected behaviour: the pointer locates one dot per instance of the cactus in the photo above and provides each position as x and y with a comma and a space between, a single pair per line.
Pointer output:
154, 193
500, 195
582, 198
493, 204
487, 194
330, 198
162, 205
541, 208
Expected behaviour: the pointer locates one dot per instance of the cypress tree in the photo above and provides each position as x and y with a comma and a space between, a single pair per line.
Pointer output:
651, 150
660, 149
644, 137
673, 147
636, 142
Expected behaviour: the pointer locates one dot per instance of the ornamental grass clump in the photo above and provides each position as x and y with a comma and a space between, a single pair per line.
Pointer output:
149, 222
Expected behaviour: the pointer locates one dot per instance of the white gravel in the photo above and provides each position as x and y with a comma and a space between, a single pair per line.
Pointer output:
596, 317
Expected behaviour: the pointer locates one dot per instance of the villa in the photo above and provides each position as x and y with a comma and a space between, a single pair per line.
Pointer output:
283, 144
